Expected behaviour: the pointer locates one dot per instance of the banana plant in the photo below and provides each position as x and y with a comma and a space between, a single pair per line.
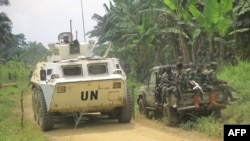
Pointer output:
213, 19
179, 8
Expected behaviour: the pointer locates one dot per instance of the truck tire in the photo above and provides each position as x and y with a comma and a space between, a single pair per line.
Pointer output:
45, 119
142, 108
217, 113
125, 113
173, 116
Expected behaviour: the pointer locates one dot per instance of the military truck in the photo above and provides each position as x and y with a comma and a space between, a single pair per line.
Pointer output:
74, 81
181, 106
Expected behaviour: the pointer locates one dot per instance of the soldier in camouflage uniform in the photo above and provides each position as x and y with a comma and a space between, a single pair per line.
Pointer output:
167, 83
158, 76
197, 75
213, 80
181, 81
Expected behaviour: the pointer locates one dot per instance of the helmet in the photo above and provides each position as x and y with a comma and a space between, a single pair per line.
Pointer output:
168, 70
179, 65
65, 36
213, 64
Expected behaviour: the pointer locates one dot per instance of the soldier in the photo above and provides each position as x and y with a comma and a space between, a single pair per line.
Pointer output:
190, 71
181, 81
167, 83
66, 38
158, 87
198, 77
213, 80
207, 68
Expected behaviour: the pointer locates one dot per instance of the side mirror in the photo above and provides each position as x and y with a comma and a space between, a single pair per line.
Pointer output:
42, 75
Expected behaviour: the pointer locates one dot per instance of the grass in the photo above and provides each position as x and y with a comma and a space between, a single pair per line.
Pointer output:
10, 117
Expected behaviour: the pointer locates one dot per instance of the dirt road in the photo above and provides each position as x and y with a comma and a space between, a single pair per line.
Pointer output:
100, 128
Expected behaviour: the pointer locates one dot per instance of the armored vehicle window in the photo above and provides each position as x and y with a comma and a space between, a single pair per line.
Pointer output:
97, 69
72, 70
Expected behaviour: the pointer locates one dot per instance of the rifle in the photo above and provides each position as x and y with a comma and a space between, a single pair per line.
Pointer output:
233, 89
197, 86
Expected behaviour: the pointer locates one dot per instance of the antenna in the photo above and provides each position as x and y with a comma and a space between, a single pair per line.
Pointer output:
70, 21
76, 34
83, 23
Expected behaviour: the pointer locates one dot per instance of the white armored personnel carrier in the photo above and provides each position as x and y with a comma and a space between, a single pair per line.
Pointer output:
74, 81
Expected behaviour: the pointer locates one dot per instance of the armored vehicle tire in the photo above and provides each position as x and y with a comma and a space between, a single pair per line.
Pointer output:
142, 108
45, 119
34, 103
125, 113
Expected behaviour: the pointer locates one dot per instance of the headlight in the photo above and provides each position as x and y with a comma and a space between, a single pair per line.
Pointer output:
116, 85
61, 89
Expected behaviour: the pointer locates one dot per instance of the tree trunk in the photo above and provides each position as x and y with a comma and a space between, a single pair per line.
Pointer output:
183, 46
210, 40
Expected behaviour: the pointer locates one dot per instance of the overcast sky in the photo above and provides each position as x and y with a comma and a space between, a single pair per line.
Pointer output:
43, 20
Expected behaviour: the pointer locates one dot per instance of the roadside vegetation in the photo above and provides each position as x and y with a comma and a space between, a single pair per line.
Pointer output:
13, 125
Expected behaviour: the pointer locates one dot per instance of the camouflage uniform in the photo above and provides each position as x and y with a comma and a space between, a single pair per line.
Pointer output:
196, 76
213, 80
181, 80
167, 84
158, 88
201, 77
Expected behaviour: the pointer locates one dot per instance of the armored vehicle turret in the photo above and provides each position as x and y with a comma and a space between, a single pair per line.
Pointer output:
74, 81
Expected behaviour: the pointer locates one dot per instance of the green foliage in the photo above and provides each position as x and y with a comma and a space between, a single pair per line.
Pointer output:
10, 123
12, 131
13, 72
79, 119
207, 125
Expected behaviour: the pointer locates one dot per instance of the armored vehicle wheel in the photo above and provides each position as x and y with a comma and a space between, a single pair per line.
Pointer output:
45, 119
34, 103
173, 117
125, 113
142, 108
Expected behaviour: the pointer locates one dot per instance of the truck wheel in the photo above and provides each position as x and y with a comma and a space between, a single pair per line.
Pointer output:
45, 119
217, 113
173, 116
142, 108
34, 103
125, 113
